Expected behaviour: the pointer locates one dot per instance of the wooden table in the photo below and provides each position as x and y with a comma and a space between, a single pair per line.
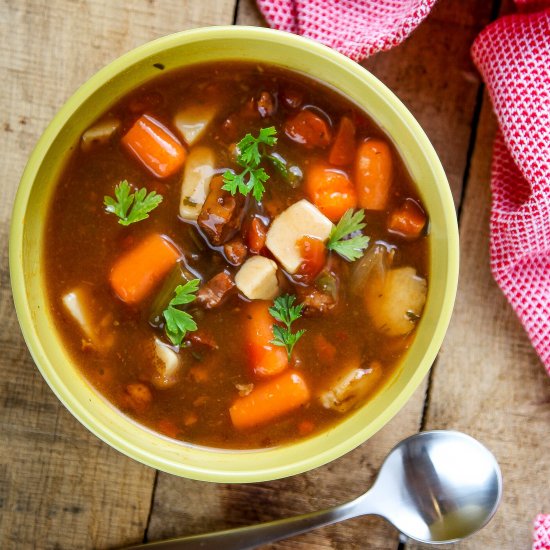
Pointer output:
61, 487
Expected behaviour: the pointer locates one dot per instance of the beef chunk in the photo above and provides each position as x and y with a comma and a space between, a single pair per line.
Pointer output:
214, 292
221, 214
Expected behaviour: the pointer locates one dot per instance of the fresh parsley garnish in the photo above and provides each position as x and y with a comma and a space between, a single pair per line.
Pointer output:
352, 248
252, 178
131, 207
285, 312
178, 322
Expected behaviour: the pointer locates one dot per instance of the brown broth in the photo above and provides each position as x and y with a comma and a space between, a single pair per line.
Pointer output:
82, 242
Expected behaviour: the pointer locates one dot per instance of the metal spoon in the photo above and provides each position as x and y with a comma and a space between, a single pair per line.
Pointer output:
435, 487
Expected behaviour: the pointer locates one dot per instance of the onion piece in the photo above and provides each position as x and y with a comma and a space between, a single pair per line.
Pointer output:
351, 386
81, 306
100, 133
168, 366
375, 262
199, 169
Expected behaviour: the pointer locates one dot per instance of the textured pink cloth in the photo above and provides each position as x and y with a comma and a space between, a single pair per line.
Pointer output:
513, 56
541, 532
356, 28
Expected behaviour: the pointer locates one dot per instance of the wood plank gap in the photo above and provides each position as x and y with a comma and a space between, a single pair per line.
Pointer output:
495, 11
236, 12
427, 397
469, 154
151, 507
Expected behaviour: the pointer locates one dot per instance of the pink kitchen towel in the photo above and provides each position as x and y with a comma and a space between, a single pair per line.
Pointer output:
541, 532
513, 57
356, 28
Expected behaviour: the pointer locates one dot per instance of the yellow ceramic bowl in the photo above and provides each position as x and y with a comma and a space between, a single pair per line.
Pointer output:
27, 234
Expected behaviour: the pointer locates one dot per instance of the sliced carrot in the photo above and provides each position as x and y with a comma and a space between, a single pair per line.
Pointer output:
314, 256
373, 174
342, 151
309, 129
154, 146
266, 359
330, 190
136, 273
408, 220
270, 400
256, 236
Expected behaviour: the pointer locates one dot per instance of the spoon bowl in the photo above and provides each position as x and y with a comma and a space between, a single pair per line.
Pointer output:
434, 487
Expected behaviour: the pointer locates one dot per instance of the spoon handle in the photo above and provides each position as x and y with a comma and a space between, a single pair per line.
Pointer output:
244, 538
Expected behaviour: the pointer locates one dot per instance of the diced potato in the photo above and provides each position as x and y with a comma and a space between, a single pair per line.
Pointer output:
168, 365
80, 305
192, 121
199, 169
297, 221
395, 300
100, 133
257, 278
351, 387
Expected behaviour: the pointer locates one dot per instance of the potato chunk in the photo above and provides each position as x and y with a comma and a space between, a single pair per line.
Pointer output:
197, 175
192, 121
297, 221
351, 386
395, 300
257, 278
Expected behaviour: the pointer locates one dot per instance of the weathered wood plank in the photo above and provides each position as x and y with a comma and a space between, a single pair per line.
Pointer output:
60, 487
439, 85
488, 381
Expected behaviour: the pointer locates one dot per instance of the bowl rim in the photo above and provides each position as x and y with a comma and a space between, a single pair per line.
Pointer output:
16, 246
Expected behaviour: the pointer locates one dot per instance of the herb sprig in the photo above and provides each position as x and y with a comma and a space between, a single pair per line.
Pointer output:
252, 178
285, 312
349, 248
178, 322
131, 207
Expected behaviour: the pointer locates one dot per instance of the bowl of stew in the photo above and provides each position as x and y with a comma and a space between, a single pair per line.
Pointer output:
233, 254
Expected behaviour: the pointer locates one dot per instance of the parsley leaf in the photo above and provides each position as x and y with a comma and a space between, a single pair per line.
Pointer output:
140, 202
285, 312
349, 248
178, 322
252, 178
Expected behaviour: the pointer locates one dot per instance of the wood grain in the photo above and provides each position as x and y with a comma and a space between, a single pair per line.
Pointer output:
60, 487
442, 95
488, 381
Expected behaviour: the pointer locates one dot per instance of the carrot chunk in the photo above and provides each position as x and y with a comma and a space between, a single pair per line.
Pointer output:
342, 151
256, 236
154, 146
408, 220
373, 174
270, 400
308, 129
266, 359
330, 190
136, 273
